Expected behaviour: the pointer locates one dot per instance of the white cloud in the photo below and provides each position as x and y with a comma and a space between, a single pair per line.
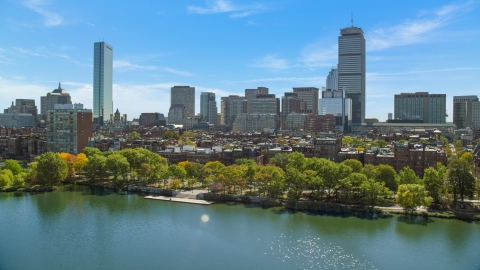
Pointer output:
123, 65
24, 51
419, 71
223, 6
288, 79
179, 72
91, 24
319, 55
218, 6
51, 18
271, 61
420, 29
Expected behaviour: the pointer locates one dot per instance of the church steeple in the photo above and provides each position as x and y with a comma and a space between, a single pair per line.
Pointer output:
59, 86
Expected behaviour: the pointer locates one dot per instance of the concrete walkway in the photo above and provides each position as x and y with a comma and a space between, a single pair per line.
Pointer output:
182, 200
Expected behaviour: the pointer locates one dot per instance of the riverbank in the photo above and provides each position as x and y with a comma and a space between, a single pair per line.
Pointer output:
300, 206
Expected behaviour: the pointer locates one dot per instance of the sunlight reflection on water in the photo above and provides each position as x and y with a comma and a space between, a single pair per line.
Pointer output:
310, 253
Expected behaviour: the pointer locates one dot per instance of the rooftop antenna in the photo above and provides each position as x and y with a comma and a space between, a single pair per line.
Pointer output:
351, 18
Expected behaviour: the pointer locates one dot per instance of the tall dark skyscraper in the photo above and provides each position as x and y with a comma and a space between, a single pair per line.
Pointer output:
102, 82
351, 69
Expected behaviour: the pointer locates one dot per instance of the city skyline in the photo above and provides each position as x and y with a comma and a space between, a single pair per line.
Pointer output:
411, 47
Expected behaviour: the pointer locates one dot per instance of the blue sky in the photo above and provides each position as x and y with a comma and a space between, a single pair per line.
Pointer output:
227, 46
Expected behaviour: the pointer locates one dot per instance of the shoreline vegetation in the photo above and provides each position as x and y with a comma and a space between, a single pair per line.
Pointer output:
291, 181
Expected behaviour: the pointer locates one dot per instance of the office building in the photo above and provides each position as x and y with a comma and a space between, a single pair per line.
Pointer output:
57, 96
208, 108
23, 106
310, 96
463, 116
177, 114
429, 108
351, 69
332, 79
266, 103
253, 122
102, 82
17, 120
335, 103
152, 119
69, 128
290, 104
295, 122
184, 95
251, 94
232, 106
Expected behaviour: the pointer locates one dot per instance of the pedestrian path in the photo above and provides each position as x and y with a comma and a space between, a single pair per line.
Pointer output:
182, 200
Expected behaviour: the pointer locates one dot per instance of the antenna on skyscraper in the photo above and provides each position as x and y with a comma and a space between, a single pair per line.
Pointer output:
351, 18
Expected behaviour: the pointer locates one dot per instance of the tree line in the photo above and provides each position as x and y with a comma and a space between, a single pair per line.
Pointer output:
287, 176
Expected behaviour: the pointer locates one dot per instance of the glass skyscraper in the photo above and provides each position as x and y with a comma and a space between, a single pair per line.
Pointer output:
102, 82
208, 107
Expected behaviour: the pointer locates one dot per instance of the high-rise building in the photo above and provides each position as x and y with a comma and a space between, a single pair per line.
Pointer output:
310, 96
335, 103
184, 95
177, 114
16, 120
102, 82
23, 106
232, 106
152, 119
429, 108
351, 69
208, 108
290, 104
463, 111
57, 96
251, 122
332, 79
251, 94
69, 128
295, 122
267, 103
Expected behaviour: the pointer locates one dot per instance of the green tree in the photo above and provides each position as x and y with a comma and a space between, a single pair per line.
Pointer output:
460, 180
354, 164
95, 167
370, 171
387, 175
171, 135
118, 166
134, 135
211, 172
468, 157
246, 161
434, 184
13, 166
380, 143
408, 176
280, 160
90, 151
373, 192
6, 178
51, 169
412, 195
177, 172
444, 140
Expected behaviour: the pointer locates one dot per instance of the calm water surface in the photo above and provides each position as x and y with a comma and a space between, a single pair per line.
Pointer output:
82, 228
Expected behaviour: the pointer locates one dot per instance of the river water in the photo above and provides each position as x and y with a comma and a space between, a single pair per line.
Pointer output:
79, 227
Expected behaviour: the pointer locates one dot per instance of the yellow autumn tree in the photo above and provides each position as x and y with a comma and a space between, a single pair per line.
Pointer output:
81, 161
70, 160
